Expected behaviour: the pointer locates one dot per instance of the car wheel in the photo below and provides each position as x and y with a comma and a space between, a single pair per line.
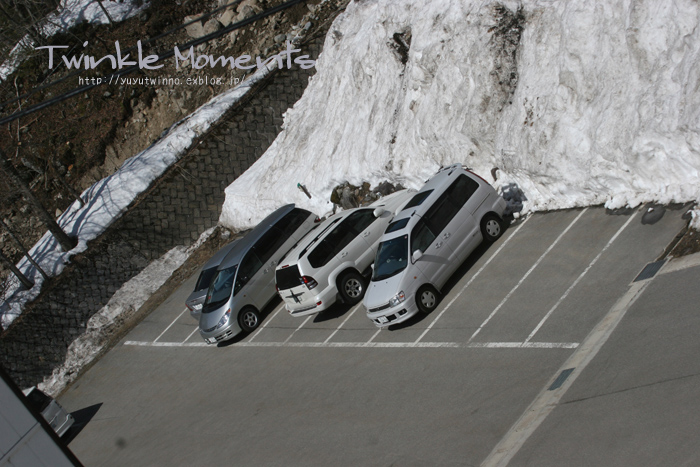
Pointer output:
491, 227
427, 299
351, 287
249, 319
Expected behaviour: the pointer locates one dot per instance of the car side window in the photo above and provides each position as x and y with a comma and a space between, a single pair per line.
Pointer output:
360, 220
449, 203
247, 269
292, 221
340, 237
269, 243
421, 237
440, 214
462, 189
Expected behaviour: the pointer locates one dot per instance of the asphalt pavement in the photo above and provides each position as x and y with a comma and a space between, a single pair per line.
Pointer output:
543, 351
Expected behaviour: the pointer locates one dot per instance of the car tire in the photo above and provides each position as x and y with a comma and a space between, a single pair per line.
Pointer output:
351, 287
427, 299
249, 319
491, 227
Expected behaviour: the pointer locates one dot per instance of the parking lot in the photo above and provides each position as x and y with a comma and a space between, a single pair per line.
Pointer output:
441, 389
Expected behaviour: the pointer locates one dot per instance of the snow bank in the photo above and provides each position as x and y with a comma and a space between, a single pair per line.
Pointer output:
593, 102
122, 306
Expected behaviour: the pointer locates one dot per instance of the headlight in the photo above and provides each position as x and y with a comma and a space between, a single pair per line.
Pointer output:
224, 319
398, 298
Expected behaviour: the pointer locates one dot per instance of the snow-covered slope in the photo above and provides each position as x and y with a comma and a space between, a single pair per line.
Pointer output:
576, 102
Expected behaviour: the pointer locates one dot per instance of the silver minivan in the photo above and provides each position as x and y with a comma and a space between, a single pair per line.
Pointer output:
335, 259
245, 280
427, 241
55, 415
196, 299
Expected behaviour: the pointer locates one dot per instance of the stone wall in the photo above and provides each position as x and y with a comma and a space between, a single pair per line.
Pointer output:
175, 211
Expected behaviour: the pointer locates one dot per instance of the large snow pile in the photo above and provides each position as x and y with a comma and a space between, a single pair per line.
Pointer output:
576, 102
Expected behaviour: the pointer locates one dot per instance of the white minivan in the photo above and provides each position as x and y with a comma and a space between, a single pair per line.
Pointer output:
428, 240
335, 258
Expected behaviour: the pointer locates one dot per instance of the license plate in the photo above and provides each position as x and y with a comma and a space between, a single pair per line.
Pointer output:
383, 319
211, 340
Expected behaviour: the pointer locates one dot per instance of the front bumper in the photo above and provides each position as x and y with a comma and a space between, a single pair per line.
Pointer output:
222, 334
384, 316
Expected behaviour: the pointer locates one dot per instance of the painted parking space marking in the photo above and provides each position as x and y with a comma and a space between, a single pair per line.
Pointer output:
328, 339
286, 340
548, 399
297, 329
522, 279
170, 325
267, 321
191, 334
370, 343
578, 279
430, 326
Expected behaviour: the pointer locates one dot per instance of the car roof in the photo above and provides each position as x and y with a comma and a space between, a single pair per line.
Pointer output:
219, 256
393, 200
317, 234
438, 183
242, 246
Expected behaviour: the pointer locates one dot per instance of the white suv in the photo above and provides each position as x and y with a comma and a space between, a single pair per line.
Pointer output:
428, 240
335, 258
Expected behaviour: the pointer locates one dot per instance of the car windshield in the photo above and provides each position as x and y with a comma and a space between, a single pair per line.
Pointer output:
220, 289
392, 257
205, 279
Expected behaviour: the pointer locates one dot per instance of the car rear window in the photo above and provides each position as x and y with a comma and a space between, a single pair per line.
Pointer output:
288, 278
205, 278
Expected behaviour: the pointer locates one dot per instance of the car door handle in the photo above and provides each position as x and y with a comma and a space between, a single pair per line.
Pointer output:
366, 234
344, 254
446, 235
266, 270
438, 244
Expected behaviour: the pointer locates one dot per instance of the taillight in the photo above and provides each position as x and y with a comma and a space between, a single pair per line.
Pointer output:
309, 281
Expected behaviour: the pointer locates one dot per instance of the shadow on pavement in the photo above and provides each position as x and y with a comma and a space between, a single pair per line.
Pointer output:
82, 418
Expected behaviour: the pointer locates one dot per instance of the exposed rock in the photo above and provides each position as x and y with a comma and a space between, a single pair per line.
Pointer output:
196, 29
211, 26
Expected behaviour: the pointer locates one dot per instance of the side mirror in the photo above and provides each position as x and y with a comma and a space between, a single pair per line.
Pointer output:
416, 255
379, 211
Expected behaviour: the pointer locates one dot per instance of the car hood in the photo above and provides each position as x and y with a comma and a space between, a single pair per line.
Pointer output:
380, 292
210, 320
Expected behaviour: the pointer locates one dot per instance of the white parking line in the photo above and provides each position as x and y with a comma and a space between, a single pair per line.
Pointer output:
430, 326
373, 336
549, 397
191, 334
300, 326
539, 260
523, 345
170, 325
578, 279
168, 344
267, 321
341, 324
434, 345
